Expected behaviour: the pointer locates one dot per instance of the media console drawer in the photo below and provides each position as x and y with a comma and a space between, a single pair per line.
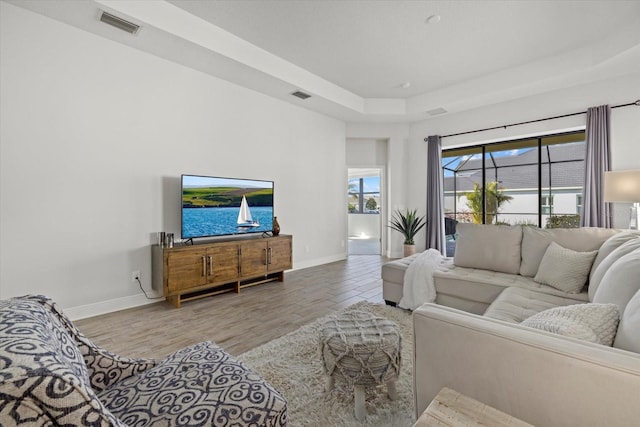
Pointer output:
185, 273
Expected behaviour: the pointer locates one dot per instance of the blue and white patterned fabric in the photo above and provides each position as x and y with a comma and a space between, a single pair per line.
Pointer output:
51, 374
198, 383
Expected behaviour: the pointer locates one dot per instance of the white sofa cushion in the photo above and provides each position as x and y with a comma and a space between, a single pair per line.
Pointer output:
514, 305
628, 337
488, 247
621, 281
611, 244
598, 273
535, 242
590, 322
393, 271
565, 269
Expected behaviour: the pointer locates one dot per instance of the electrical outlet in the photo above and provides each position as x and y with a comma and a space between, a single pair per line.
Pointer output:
135, 276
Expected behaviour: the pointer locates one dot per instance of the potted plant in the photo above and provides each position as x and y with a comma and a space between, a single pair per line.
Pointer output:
407, 223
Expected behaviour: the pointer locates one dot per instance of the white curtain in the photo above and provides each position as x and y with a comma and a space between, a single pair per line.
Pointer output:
435, 196
595, 212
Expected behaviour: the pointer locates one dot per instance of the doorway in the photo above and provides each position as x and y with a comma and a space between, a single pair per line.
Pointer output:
364, 208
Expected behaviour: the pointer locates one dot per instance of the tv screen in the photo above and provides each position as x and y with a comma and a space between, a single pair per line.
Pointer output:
216, 206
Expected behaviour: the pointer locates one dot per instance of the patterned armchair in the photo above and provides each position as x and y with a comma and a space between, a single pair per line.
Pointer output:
51, 374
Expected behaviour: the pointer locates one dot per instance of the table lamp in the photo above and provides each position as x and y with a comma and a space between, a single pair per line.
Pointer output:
624, 186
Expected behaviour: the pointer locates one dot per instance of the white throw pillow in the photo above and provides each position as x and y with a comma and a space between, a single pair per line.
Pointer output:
488, 247
590, 322
565, 269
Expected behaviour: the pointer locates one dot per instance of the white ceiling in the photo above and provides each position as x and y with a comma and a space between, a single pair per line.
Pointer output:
353, 56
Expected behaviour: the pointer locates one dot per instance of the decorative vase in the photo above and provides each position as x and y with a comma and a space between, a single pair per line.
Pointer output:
276, 226
409, 250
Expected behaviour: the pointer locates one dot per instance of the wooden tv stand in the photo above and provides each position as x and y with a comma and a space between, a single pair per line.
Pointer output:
190, 272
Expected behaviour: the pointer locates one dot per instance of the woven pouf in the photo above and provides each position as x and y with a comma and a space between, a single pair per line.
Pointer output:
362, 349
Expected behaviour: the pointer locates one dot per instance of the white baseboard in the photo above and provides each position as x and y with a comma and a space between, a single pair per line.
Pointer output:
318, 261
109, 306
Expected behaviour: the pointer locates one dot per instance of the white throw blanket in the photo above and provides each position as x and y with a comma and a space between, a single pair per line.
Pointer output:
418, 287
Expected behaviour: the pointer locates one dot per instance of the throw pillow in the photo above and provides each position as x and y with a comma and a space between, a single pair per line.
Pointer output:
591, 322
565, 269
488, 247
536, 240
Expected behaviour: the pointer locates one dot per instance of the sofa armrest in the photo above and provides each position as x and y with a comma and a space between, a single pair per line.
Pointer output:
539, 377
104, 367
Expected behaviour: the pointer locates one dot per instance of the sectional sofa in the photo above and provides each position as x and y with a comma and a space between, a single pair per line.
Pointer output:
541, 324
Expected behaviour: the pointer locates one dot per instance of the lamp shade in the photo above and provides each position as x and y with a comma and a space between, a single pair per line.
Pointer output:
622, 186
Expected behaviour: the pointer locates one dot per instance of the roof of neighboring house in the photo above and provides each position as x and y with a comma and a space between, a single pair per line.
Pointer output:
519, 170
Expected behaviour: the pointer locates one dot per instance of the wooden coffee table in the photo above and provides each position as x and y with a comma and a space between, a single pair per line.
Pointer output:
452, 409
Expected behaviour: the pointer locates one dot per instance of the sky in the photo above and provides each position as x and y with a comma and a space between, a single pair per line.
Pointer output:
208, 181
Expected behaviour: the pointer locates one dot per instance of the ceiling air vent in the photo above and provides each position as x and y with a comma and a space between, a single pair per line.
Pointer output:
301, 95
436, 111
119, 23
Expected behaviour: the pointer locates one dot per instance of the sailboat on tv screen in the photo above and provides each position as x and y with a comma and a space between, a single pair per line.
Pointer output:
244, 216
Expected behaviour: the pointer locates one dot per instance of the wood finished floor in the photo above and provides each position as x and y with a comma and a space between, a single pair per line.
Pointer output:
240, 322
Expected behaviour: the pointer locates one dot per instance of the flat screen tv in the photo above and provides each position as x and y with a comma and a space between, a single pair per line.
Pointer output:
216, 206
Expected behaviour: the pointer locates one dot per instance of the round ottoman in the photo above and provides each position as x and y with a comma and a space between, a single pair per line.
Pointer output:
364, 350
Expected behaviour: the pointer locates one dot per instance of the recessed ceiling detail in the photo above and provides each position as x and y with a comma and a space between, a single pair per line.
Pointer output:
337, 51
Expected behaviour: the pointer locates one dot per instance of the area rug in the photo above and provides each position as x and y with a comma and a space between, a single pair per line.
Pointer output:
292, 364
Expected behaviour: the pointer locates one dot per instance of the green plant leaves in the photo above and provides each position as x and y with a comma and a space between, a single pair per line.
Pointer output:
408, 223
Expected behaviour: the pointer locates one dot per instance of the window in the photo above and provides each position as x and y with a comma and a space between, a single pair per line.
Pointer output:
546, 205
363, 195
579, 203
534, 181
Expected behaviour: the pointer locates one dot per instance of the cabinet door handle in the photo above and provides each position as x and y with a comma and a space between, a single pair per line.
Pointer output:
204, 266
269, 257
265, 256
210, 265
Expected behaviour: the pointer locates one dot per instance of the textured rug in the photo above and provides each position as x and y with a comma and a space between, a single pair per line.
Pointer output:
292, 364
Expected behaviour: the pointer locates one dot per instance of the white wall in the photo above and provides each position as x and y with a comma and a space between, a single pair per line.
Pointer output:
94, 137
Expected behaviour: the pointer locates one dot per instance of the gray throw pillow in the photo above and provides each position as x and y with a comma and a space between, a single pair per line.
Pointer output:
565, 269
488, 247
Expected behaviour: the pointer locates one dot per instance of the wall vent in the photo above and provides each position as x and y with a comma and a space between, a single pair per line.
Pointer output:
119, 23
300, 94
437, 111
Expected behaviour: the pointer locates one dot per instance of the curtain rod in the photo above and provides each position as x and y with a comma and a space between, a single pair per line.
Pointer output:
636, 103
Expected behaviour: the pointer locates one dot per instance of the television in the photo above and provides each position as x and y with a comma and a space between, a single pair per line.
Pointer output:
216, 206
